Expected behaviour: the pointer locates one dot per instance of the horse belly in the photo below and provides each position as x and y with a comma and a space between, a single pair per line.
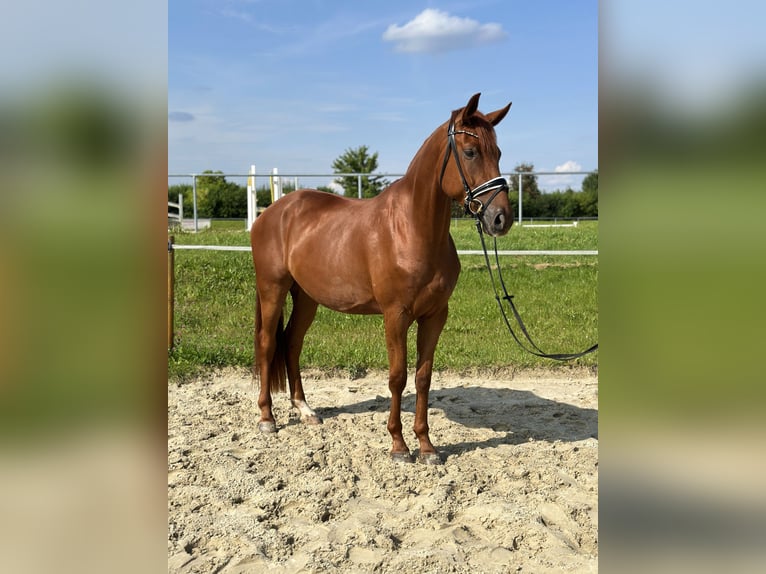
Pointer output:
339, 296
328, 285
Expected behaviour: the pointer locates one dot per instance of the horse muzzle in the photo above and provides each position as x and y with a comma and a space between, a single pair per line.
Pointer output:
496, 220
496, 217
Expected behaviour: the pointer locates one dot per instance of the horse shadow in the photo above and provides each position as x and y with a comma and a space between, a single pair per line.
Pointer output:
521, 416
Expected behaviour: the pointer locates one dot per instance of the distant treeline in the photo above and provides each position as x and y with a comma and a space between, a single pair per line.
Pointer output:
218, 198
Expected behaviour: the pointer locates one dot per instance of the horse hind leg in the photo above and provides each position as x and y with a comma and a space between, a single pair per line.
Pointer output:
304, 311
269, 351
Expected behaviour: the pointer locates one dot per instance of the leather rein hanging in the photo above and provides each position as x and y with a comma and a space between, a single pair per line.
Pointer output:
535, 349
475, 207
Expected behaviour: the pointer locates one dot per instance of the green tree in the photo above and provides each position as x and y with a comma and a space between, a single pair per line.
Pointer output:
590, 183
569, 206
263, 196
589, 196
531, 205
204, 183
528, 182
185, 190
227, 200
217, 197
359, 160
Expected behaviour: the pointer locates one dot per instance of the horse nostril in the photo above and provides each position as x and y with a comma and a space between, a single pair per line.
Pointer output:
499, 222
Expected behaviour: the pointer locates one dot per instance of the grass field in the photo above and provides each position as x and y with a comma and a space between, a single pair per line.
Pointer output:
557, 296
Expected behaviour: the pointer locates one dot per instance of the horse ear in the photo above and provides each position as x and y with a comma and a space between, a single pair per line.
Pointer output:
471, 107
497, 116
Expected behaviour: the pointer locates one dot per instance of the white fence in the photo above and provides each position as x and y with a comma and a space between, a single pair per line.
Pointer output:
459, 252
177, 216
277, 181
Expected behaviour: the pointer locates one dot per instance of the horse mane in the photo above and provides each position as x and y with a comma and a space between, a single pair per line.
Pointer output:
477, 123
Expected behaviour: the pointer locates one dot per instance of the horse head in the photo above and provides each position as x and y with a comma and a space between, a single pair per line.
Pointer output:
470, 170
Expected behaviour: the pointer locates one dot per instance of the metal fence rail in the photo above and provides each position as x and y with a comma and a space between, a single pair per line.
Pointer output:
173, 247
359, 176
460, 252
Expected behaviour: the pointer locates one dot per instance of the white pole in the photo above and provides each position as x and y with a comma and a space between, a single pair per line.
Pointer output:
194, 201
252, 201
277, 186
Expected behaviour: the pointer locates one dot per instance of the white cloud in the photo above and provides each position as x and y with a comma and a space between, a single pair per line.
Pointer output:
436, 31
336, 187
551, 182
568, 166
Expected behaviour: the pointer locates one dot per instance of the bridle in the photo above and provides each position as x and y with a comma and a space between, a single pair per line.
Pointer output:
472, 204
475, 207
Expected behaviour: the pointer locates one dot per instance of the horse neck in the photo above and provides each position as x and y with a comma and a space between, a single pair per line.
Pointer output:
430, 207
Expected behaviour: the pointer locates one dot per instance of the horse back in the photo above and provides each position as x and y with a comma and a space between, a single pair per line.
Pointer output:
318, 240
352, 255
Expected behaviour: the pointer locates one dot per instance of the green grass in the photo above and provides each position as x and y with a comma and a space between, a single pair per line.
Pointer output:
227, 224
556, 296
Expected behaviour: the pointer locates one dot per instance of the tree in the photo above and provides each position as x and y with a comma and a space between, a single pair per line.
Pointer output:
589, 196
359, 161
590, 183
183, 189
528, 181
263, 196
217, 197
227, 200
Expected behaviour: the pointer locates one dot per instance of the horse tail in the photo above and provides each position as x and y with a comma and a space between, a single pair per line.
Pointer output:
278, 368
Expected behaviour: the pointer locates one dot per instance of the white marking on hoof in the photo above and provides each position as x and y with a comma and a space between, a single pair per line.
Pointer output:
308, 415
401, 457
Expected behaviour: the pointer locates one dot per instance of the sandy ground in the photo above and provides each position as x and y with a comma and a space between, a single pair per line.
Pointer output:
518, 490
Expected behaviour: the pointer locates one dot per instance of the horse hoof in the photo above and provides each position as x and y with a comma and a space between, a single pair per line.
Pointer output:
431, 458
312, 420
401, 457
267, 427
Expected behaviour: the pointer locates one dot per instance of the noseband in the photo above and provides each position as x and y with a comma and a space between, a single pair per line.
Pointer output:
472, 204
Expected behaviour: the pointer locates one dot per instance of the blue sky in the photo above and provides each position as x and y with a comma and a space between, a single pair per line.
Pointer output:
293, 84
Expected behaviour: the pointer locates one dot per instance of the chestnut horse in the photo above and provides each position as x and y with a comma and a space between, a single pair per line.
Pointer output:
392, 254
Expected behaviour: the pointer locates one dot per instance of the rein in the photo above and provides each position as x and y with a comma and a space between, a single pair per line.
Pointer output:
535, 349
475, 207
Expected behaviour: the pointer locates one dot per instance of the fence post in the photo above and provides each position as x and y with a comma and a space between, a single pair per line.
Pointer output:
194, 200
252, 199
276, 185
171, 290
520, 194
359, 185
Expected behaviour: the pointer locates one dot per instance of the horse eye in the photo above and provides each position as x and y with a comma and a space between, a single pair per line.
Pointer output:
469, 153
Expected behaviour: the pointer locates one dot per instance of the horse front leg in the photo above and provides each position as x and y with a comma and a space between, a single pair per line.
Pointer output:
396, 325
429, 330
